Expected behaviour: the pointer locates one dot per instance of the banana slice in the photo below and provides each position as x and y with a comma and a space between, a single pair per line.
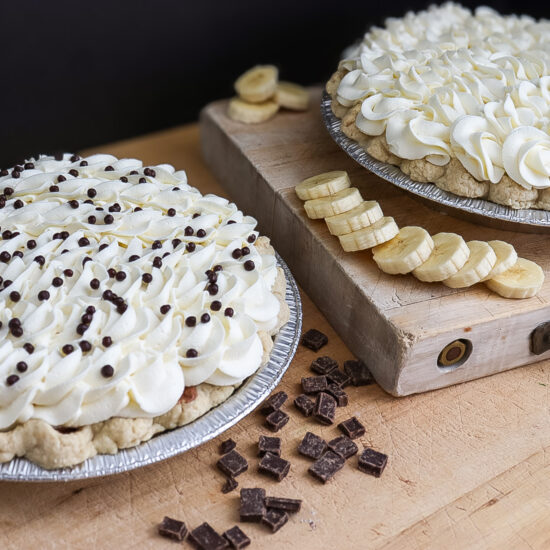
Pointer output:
480, 262
449, 255
251, 113
258, 83
292, 96
410, 248
506, 258
335, 204
379, 232
367, 213
323, 185
523, 280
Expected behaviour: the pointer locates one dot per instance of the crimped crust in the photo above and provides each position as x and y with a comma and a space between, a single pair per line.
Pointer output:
452, 177
49, 447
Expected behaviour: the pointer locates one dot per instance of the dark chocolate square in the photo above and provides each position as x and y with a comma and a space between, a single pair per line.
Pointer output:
325, 467
312, 446
338, 377
236, 538
358, 372
275, 466
276, 420
325, 408
372, 462
230, 485
275, 519
352, 428
323, 365
286, 504
274, 402
173, 529
314, 339
205, 538
226, 446
268, 444
252, 504
304, 404
232, 464
339, 394
314, 384
343, 446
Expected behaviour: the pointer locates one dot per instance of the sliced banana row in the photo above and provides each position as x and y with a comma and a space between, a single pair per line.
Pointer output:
260, 95
445, 257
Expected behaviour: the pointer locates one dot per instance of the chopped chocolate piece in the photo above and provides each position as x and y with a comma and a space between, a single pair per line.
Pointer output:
268, 444
343, 446
276, 420
274, 402
325, 467
230, 485
275, 466
338, 377
236, 538
372, 462
314, 339
252, 504
205, 538
226, 446
232, 464
352, 428
358, 372
275, 519
312, 446
304, 404
325, 408
314, 384
286, 504
173, 529
339, 394
323, 365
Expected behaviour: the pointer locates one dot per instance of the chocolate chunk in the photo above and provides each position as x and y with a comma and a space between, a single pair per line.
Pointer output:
276, 420
312, 446
338, 377
343, 446
358, 372
268, 444
252, 504
339, 394
226, 446
314, 339
304, 404
275, 466
325, 467
286, 504
275, 519
173, 529
232, 464
314, 384
323, 365
372, 462
205, 538
274, 402
236, 538
230, 485
352, 428
325, 408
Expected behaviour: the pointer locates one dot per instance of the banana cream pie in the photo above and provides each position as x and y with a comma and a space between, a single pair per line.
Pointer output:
129, 304
454, 98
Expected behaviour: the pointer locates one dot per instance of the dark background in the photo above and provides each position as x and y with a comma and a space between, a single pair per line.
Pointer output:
76, 74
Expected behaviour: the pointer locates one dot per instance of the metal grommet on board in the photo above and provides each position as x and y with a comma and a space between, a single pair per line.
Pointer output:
455, 354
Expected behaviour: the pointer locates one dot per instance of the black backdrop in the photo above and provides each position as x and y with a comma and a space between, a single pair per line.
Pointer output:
80, 73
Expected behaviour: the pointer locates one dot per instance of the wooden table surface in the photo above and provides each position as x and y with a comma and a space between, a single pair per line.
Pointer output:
468, 465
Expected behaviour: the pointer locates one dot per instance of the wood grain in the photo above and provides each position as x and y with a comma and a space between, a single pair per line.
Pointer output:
469, 465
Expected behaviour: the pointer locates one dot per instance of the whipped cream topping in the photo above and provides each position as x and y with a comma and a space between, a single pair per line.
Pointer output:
119, 286
447, 83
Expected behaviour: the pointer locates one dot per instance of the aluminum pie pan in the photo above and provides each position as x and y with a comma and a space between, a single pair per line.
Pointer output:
473, 210
167, 444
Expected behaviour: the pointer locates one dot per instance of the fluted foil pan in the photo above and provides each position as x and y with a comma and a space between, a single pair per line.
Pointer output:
165, 445
477, 210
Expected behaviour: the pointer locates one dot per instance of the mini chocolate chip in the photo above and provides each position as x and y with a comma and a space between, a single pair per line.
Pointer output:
43, 295
67, 349
191, 353
88, 201
81, 328
251, 238
87, 318
228, 312
7, 283
17, 331
216, 305
74, 172
138, 209
64, 235
54, 189
21, 366
74, 158
191, 321
31, 244
99, 209
18, 254
14, 322
121, 308
188, 231
85, 345
68, 272
157, 262
84, 163
107, 341
205, 318
249, 265
28, 347
142, 180
92, 219
165, 254
15, 296
176, 242
15, 174
90, 310
212, 277
196, 215
103, 246
73, 203
108, 219
165, 309
171, 212
107, 371
237, 253
133, 258
134, 172
40, 260
94, 283
190, 247
111, 272
245, 250
61, 179
212, 289
56, 236
86, 259
57, 281
120, 276
6, 234
4, 172
109, 168
5, 257
124, 179
115, 207
201, 233
146, 278
108, 295
8, 191
217, 267
83, 241
149, 172
156, 244
12, 379
230, 222
175, 188
91, 192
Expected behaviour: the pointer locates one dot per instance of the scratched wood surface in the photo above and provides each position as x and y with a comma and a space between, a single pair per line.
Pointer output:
469, 465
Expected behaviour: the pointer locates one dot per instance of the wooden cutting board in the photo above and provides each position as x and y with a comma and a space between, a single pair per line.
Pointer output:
397, 324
